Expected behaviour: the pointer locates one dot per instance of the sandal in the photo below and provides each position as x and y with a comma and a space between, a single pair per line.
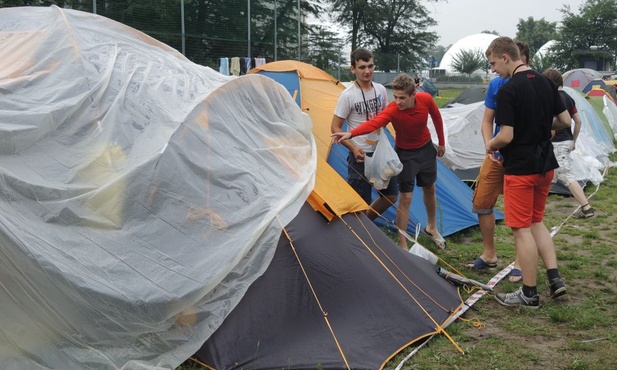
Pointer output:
480, 264
438, 240
516, 275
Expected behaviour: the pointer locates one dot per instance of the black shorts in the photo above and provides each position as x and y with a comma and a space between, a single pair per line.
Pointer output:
418, 165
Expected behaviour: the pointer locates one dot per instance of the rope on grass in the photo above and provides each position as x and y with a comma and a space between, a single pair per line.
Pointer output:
556, 229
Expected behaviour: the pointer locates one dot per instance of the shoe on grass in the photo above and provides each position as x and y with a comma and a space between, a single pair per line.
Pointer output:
480, 264
518, 299
584, 213
557, 288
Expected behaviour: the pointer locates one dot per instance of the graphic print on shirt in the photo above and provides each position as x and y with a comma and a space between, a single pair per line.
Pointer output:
368, 108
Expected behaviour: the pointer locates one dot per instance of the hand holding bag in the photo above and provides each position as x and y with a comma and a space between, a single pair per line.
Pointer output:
383, 165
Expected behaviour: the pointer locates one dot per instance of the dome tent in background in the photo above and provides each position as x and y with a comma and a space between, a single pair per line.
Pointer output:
479, 41
578, 78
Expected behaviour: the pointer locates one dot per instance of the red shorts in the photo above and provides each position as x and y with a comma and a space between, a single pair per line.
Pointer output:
525, 198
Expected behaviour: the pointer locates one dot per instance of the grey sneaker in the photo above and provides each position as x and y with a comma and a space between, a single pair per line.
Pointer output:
584, 214
518, 299
557, 288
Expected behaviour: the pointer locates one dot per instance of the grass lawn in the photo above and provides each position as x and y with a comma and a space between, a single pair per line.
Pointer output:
447, 94
577, 331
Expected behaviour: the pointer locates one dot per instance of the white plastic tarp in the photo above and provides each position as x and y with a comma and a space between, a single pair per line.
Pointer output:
610, 111
140, 194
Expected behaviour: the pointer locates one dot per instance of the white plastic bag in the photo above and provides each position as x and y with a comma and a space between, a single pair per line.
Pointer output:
420, 251
383, 165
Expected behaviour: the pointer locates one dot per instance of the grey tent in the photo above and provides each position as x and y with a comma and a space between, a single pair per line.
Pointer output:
427, 86
470, 95
338, 295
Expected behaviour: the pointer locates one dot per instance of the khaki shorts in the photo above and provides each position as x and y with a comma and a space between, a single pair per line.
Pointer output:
562, 151
489, 185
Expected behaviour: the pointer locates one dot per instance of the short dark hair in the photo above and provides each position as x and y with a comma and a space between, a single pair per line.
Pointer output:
554, 75
404, 82
523, 48
361, 54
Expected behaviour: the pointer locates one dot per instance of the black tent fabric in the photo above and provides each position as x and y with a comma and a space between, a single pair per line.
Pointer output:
338, 296
468, 96
428, 87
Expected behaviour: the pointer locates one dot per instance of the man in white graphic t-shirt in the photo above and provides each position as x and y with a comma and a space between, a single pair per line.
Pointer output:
360, 102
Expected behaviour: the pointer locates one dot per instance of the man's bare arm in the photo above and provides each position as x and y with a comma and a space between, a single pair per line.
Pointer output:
562, 120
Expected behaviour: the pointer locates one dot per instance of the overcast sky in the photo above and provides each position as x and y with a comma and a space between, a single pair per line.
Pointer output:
459, 18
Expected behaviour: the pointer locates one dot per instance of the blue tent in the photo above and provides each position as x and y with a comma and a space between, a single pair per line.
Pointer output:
453, 198
317, 92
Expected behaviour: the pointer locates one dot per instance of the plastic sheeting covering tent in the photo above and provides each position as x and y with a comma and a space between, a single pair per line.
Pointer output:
141, 194
594, 143
610, 112
317, 93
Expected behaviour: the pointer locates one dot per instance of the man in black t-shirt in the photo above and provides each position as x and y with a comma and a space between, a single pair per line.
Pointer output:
525, 109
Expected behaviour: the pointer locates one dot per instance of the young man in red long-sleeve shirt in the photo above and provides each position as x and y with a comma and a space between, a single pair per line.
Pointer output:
409, 116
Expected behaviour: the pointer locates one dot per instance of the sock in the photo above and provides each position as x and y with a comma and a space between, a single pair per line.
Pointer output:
530, 291
552, 274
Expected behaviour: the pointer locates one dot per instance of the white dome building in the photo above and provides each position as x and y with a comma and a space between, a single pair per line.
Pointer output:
479, 41
545, 49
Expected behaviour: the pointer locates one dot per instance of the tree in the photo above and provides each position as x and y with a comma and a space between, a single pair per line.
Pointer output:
324, 48
350, 13
493, 32
436, 54
467, 61
535, 33
542, 62
588, 33
396, 30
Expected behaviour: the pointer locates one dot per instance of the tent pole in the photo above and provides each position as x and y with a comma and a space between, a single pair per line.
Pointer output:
299, 39
275, 32
182, 25
248, 2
